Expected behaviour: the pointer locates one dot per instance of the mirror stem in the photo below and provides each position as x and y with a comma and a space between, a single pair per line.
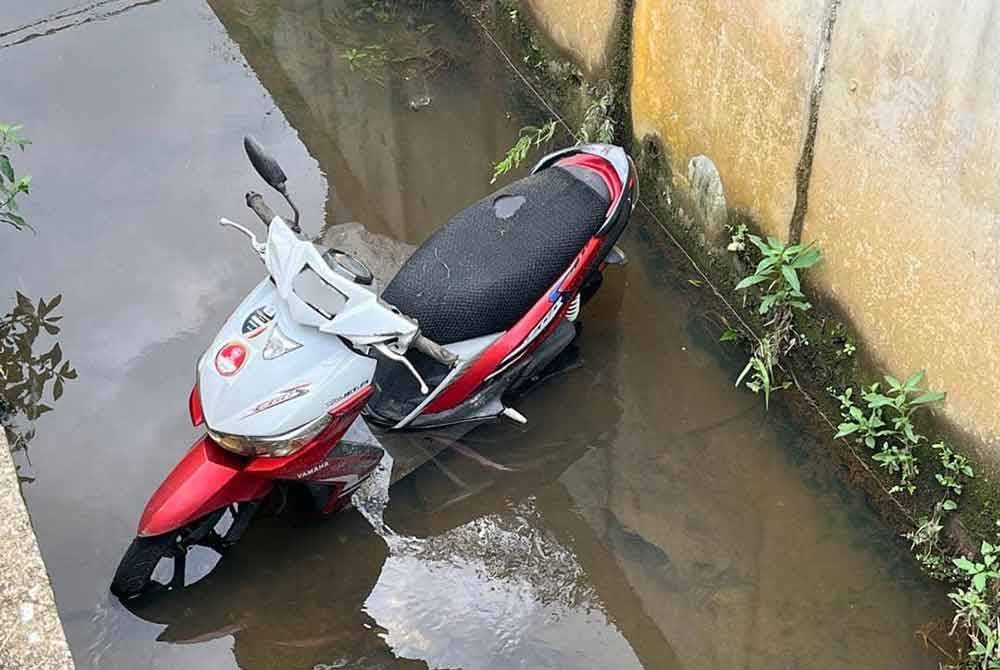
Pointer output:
295, 210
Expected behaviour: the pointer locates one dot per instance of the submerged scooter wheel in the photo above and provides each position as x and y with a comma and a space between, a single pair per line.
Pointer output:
135, 572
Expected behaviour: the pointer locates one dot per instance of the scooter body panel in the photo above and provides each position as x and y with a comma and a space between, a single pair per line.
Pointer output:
257, 393
206, 479
209, 478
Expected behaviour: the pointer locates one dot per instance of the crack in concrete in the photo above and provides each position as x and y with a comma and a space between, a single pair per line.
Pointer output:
69, 18
803, 171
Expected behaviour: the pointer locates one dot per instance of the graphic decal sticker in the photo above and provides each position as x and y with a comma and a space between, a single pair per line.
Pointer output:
346, 393
532, 335
257, 322
281, 397
231, 358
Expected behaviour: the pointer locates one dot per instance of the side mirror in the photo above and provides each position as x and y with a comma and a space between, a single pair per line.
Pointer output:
264, 164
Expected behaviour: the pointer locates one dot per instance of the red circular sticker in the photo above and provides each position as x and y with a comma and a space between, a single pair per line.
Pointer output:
230, 359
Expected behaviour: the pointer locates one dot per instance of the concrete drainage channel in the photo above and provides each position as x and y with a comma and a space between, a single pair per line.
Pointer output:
690, 529
31, 634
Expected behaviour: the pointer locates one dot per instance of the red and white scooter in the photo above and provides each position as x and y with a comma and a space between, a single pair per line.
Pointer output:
473, 318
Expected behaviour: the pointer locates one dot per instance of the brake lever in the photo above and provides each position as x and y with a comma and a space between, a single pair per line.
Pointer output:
389, 353
257, 245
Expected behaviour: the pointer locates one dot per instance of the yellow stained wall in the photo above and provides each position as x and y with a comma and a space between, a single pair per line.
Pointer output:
904, 197
905, 193
730, 80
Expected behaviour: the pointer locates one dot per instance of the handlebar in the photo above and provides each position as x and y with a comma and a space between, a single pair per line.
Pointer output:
434, 350
255, 201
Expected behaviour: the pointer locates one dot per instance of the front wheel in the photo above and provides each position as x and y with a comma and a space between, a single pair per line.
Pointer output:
149, 558
135, 572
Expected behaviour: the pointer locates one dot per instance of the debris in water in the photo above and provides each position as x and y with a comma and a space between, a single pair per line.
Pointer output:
339, 663
418, 103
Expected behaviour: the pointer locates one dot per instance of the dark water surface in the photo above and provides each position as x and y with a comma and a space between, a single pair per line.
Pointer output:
649, 515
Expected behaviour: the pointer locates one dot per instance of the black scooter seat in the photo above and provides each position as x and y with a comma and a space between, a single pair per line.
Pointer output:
480, 273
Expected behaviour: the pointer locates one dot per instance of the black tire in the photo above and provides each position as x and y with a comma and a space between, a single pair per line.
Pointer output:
135, 571
134, 575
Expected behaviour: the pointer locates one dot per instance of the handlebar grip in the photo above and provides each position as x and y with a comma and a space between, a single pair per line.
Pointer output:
255, 201
434, 350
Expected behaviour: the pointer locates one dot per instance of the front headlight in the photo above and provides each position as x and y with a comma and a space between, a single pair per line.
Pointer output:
278, 445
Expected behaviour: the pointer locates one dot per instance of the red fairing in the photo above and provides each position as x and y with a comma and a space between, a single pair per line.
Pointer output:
209, 477
194, 407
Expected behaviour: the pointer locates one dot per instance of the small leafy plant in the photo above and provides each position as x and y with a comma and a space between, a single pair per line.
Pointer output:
779, 270
899, 460
528, 137
369, 60
760, 369
11, 185
956, 467
597, 124
777, 274
883, 422
976, 606
925, 541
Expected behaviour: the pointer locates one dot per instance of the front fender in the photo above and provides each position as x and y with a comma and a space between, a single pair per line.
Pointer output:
206, 479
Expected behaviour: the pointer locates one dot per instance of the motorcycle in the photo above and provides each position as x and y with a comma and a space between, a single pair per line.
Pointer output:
474, 318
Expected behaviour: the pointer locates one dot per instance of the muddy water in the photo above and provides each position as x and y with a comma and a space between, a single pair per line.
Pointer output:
649, 515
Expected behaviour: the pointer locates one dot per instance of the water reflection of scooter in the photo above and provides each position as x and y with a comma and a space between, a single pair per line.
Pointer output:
283, 599
288, 603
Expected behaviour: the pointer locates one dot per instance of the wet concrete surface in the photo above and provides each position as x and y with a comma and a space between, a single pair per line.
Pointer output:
31, 633
649, 515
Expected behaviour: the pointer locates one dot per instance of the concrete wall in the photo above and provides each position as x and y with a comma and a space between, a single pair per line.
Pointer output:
728, 80
905, 192
869, 127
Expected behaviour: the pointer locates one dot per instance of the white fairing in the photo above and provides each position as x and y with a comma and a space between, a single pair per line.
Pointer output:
360, 316
278, 363
271, 397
